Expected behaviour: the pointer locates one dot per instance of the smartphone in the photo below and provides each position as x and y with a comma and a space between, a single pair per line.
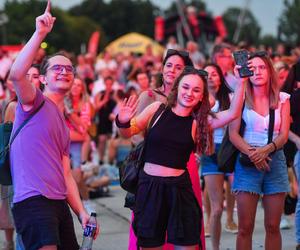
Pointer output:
241, 58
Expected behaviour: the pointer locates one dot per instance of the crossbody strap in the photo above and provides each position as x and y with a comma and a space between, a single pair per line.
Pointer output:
271, 125
24, 123
157, 113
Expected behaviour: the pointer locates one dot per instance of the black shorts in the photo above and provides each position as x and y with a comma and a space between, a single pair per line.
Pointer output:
166, 204
41, 222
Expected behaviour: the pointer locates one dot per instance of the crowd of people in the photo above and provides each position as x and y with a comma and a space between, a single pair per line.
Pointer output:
102, 106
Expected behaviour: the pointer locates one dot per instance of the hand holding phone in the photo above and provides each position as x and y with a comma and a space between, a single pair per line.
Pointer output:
241, 58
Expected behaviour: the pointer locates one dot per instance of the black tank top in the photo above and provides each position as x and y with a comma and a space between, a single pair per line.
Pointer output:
169, 142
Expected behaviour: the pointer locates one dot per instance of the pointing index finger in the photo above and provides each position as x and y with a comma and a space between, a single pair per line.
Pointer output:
48, 8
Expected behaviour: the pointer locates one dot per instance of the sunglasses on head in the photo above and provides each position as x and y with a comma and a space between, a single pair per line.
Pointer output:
182, 53
200, 72
258, 54
58, 69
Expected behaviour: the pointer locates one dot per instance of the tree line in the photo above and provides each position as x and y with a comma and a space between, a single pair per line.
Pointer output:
118, 17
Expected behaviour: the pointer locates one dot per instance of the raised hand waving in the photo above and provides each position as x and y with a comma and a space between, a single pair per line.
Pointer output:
44, 23
128, 109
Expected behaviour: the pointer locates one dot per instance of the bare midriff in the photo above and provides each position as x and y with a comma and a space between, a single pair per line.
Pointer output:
163, 171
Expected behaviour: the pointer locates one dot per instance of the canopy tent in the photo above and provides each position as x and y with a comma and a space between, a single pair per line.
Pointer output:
134, 42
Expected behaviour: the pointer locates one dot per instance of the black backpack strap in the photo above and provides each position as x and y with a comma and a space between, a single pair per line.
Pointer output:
271, 125
24, 123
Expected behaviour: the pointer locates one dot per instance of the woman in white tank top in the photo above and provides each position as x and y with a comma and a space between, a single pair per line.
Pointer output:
269, 176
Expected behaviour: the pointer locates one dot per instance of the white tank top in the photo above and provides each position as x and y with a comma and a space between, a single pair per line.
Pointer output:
256, 131
218, 132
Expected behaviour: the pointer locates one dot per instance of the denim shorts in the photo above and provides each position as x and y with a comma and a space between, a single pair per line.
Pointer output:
249, 179
209, 165
41, 221
75, 154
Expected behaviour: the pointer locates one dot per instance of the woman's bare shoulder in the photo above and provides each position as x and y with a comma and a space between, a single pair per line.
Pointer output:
153, 106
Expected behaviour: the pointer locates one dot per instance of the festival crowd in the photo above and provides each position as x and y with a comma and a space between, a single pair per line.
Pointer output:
87, 112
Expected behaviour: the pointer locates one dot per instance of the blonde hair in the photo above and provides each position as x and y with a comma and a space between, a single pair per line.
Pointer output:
273, 87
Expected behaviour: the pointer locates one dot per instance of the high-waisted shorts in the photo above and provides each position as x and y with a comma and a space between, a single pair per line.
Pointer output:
166, 204
249, 179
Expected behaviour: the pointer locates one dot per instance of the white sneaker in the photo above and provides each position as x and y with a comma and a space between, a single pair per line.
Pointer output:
284, 223
89, 206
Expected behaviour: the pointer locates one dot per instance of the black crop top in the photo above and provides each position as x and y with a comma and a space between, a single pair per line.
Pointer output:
169, 142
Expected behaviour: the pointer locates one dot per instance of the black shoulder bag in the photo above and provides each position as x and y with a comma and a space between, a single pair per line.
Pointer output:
134, 162
244, 159
6, 140
228, 153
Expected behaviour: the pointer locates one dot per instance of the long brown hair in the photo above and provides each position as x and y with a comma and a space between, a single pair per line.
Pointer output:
272, 85
223, 93
200, 112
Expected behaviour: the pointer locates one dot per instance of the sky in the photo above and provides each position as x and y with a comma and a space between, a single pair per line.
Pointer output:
266, 12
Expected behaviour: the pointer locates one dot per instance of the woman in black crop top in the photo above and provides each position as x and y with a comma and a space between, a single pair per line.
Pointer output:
165, 200
172, 66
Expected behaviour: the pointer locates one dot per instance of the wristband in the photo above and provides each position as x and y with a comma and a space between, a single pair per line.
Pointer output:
134, 129
122, 125
275, 147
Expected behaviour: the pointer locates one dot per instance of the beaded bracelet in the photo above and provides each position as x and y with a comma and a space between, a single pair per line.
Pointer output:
275, 147
122, 125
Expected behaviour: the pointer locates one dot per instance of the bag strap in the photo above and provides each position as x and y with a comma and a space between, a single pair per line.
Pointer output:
159, 92
271, 125
24, 123
157, 113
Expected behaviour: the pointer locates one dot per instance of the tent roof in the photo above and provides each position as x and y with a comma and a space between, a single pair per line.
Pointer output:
134, 42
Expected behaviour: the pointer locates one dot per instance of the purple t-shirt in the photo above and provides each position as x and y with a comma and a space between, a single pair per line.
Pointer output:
37, 152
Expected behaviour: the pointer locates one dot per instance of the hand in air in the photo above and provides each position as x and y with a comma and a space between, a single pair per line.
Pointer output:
236, 71
44, 23
128, 109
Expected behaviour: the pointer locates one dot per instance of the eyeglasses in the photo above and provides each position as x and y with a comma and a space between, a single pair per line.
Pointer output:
58, 69
200, 72
261, 53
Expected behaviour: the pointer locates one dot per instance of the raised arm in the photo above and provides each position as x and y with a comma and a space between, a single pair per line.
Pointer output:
128, 123
224, 117
144, 100
24, 89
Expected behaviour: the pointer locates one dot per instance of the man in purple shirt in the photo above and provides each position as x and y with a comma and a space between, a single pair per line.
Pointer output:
43, 183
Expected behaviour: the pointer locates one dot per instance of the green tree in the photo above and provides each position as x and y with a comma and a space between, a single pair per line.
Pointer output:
69, 31
268, 40
250, 29
288, 28
118, 17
